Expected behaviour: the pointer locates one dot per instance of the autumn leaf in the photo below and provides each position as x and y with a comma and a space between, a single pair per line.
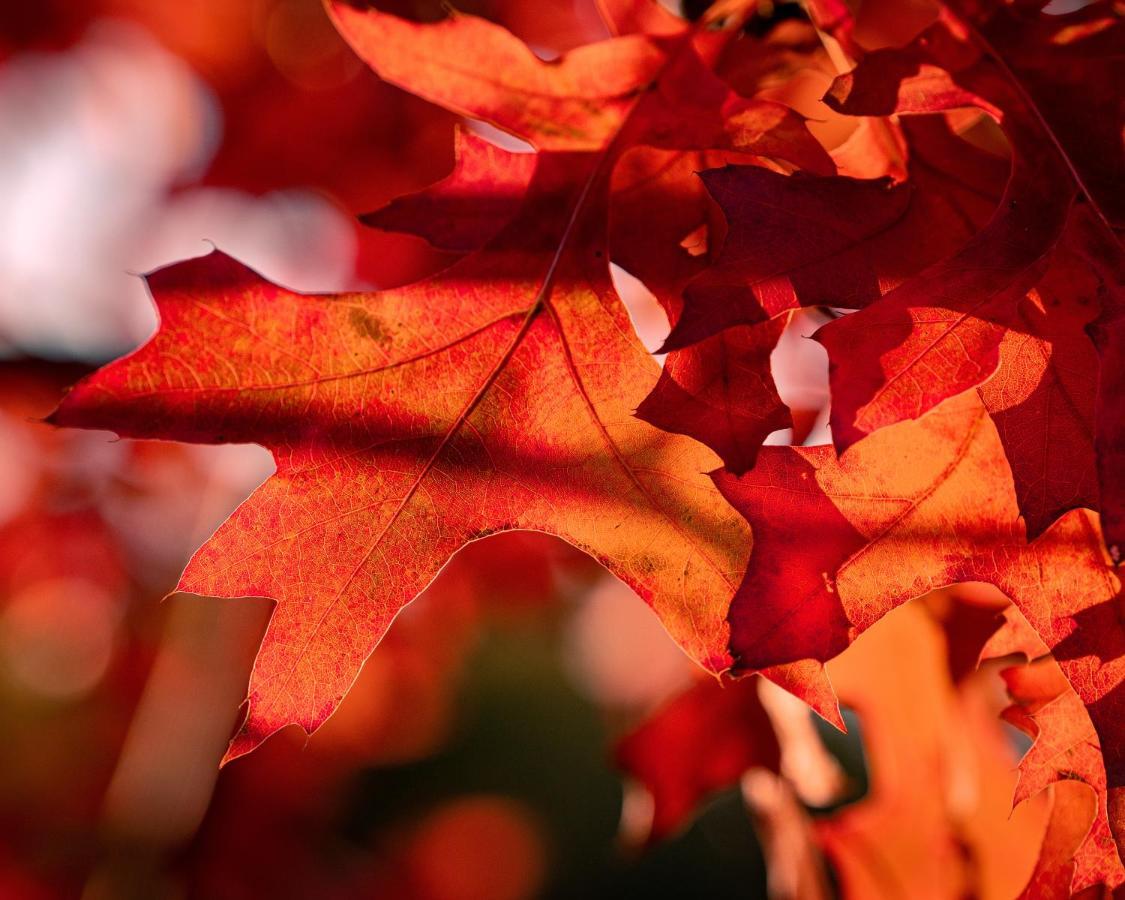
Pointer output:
836, 241
663, 227
912, 508
943, 69
482, 70
1013, 636
1067, 66
721, 392
639, 17
791, 241
1104, 258
496, 395
583, 100
1077, 851
934, 752
509, 390
1072, 811
369, 486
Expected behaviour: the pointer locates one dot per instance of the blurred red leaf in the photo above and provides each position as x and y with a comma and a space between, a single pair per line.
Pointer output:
935, 821
700, 742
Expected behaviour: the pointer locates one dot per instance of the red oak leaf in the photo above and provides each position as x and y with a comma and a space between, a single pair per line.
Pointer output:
497, 395
581, 100
1072, 811
839, 242
639, 17
381, 477
791, 241
1014, 637
934, 750
509, 391
482, 70
915, 507
1040, 396
1077, 851
920, 719
721, 392
798, 240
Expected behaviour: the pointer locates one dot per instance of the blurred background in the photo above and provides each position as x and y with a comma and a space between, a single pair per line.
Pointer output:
490, 750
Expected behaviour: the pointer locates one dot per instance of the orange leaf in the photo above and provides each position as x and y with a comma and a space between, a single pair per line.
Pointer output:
495, 396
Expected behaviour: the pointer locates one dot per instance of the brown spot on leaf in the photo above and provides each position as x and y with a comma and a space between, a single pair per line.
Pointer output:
367, 325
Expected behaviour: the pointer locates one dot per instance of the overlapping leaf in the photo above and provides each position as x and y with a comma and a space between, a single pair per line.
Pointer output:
1041, 398
843, 242
1104, 258
1077, 850
940, 329
915, 507
663, 229
940, 332
1066, 748
934, 752
1069, 65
